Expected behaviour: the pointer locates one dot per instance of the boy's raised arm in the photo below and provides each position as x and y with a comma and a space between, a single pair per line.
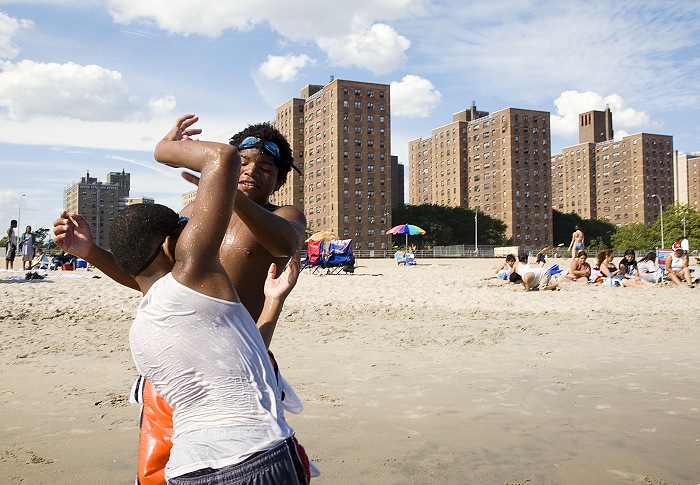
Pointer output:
197, 263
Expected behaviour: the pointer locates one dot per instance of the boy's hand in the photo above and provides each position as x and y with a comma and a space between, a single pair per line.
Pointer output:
181, 129
73, 234
279, 288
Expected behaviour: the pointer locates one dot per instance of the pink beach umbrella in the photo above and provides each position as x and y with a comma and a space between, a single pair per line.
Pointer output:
407, 229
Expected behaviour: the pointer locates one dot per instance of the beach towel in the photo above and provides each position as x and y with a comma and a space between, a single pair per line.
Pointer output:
554, 270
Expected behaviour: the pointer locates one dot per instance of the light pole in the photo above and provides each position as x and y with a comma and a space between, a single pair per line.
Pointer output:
476, 231
19, 213
661, 215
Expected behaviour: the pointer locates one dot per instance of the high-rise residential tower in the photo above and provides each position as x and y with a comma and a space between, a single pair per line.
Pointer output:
495, 163
624, 181
340, 134
97, 202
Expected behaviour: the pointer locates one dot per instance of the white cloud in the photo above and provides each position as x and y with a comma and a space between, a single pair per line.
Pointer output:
350, 35
187, 17
284, 68
8, 28
526, 51
91, 93
380, 49
570, 104
413, 97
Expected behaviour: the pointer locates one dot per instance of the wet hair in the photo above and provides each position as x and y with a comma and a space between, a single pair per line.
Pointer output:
510, 257
523, 257
515, 278
651, 256
581, 253
134, 231
265, 131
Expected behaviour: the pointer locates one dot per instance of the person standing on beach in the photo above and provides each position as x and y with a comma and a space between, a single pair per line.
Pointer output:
258, 234
11, 249
577, 242
28, 248
229, 425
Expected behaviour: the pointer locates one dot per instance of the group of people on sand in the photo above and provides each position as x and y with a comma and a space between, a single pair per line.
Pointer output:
212, 398
627, 273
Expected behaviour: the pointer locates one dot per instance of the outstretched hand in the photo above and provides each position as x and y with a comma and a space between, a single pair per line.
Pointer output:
72, 234
279, 288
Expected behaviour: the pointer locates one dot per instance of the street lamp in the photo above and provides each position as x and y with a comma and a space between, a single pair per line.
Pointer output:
19, 213
661, 213
476, 231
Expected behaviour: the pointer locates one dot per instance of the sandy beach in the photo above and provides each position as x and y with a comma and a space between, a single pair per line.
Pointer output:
418, 375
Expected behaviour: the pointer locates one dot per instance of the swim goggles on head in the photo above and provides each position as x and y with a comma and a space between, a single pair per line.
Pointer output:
266, 146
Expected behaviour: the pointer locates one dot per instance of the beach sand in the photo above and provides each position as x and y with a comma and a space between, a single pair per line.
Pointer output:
418, 375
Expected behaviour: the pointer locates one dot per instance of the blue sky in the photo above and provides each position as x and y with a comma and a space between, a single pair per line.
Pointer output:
91, 86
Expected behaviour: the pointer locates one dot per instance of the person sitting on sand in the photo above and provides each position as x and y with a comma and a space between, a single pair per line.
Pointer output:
38, 260
504, 270
534, 280
648, 269
677, 265
228, 422
607, 270
64, 258
628, 268
580, 270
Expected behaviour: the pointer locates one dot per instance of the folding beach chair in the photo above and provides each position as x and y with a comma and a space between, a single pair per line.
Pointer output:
410, 259
314, 256
661, 254
340, 257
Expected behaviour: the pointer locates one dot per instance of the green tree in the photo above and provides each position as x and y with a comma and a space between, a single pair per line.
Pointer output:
633, 236
40, 236
447, 226
674, 215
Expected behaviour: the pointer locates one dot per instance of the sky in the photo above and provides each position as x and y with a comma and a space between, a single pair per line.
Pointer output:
91, 86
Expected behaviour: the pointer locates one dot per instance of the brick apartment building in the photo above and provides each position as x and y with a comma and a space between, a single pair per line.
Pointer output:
495, 163
624, 181
340, 135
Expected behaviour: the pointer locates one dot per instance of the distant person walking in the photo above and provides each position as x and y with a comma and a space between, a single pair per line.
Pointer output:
28, 249
11, 246
577, 242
